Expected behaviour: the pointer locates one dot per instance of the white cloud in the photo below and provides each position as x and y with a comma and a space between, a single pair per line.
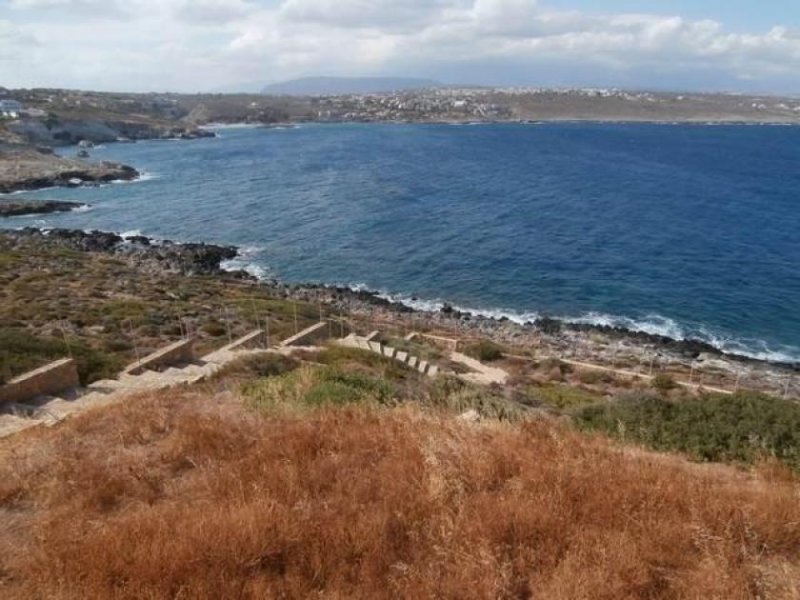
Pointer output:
213, 11
245, 40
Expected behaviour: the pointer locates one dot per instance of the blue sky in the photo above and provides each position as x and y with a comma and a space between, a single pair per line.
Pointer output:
198, 45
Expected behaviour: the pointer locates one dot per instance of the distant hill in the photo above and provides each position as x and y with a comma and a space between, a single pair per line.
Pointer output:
336, 86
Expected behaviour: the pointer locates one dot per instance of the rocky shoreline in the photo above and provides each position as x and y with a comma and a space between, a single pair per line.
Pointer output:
585, 342
68, 132
26, 169
146, 253
18, 208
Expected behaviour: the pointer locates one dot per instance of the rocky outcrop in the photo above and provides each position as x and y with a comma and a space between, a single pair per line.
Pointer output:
65, 132
30, 169
161, 255
36, 207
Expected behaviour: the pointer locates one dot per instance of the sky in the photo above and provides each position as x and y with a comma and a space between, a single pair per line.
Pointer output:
239, 45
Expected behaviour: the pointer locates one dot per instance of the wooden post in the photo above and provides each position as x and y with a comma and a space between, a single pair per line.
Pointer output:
226, 316
255, 312
133, 339
66, 342
294, 305
266, 325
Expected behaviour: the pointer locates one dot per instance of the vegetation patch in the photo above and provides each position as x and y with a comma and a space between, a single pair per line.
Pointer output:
171, 497
743, 428
563, 396
253, 366
20, 352
315, 387
365, 361
484, 351
455, 395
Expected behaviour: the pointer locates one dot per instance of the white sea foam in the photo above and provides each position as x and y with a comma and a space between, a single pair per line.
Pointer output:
652, 324
130, 233
215, 126
245, 261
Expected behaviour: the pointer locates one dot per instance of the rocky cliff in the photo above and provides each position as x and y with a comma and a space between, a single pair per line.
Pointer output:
65, 132
23, 168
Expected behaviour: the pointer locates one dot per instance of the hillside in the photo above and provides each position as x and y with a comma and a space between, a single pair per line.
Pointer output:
341, 469
335, 86
210, 492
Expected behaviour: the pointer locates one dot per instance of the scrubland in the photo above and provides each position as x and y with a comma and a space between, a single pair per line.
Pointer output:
340, 475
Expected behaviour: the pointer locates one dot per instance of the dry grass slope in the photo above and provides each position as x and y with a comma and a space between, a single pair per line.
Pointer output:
192, 495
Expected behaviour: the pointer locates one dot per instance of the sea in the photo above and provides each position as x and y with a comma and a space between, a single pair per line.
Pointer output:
688, 231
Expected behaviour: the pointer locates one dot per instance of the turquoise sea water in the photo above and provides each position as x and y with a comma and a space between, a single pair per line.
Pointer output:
687, 231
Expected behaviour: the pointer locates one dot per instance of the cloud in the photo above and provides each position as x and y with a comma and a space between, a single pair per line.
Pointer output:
383, 14
15, 43
230, 40
213, 11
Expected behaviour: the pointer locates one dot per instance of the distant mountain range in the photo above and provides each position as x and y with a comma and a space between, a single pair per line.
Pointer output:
337, 86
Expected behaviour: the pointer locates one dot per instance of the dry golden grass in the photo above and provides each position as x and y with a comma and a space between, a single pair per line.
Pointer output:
187, 495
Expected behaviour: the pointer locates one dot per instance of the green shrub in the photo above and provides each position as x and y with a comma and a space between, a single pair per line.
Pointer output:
254, 366
593, 377
663, 382
563, 396
20, 352
453, 394
316, 387
741, 428
215, 328
484, 351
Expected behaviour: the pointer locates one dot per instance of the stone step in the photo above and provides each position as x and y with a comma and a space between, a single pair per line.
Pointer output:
375, 347
423, 366
412, 362
402, 356
109, 384
433, 371
11, 424
388, 351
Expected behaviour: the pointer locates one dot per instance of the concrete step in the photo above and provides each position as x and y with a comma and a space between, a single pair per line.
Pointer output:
402, 356
433, 371
412, 362
388, 351
107, 384
423, 366
11, 424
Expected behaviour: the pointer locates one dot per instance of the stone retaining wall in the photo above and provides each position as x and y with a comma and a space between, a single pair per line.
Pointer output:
179, 352
48, 380
315, 333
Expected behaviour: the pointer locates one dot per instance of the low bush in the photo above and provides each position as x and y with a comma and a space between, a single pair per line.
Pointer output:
663, 382
20, 352
742, 428
265, 364
313, 387
563, 396
594, 377
214, 328
484, 351
454, 395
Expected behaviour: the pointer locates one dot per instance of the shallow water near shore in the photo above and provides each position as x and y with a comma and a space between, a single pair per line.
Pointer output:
685, 231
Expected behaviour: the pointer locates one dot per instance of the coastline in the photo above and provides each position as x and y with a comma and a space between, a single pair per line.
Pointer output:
587, 341
559, 333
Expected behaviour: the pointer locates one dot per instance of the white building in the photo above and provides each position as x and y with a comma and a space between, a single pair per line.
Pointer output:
10, 108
